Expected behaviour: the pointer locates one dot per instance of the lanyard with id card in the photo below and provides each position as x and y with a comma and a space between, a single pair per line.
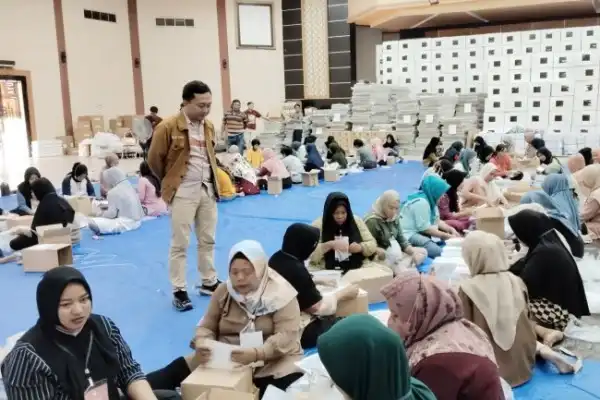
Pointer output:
250, 338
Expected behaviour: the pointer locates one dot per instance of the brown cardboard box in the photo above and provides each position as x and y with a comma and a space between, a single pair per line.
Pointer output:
221, 394
93, 122
370, 279
114, 124
331, 175
310, 178
54, 234
81, 204
13, 221
391, 160
202, 380
67, 143
274, 185
358, 305
128, 120
44, 257
80, 134
491, 220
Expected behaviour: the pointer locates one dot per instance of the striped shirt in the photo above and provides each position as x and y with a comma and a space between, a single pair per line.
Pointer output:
235, 122
26, 375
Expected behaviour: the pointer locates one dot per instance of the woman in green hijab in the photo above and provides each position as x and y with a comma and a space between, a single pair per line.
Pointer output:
367, 361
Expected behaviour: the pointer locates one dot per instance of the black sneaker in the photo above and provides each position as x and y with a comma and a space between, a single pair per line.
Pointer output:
181, 301
206, 290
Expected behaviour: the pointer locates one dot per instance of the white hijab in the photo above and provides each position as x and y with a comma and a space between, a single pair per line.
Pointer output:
273, 292
497, 293
492, 191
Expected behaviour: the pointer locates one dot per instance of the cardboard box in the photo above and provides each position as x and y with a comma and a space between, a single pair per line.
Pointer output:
221, 394
358, 305
81, 205
114, 124
202, 380
331, 175
310, 178
24, 220
80, 134
44, 257
371, 280
127, 121
54, 234
274, 185
93, 122
491, 220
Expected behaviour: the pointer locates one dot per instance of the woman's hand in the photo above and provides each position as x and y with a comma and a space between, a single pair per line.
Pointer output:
347, 293
380, 253
355, 248
204, 354
244, 356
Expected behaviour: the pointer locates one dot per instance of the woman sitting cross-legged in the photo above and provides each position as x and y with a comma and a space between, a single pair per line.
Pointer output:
384, 224
317, 309
481, 189
588, 180
449, 207
72, 354
77, 183
366, 159
124, 212
313, 159
53, 209
275, 168
346, 242
392, 146
242, 171
292, 164
367, 361
421, 218
549, 163
149, 192
550, 274
448, 353
255, 298
338, 156
24, 204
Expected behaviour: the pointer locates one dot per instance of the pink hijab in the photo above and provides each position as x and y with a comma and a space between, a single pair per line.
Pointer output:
576, 163
378, 150
428, 315
274, 165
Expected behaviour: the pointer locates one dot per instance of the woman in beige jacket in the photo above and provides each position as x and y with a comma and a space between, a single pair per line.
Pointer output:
255, 298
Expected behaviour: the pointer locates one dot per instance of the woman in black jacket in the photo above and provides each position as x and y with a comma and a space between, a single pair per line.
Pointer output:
77, 183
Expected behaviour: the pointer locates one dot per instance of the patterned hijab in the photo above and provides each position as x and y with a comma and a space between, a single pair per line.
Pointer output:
576, 163
428, 314
388, 197
588, 180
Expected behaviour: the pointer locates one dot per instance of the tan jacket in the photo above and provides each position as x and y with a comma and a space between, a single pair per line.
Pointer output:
369, 244
225, 319
170, 153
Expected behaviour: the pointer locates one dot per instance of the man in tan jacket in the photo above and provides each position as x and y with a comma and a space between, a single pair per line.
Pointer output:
182, 156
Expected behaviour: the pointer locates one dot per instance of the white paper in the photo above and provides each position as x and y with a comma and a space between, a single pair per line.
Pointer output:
429, 118
467, 107
249, 340
337, 117
273, 393
406, 119
452, 129
341, 255
319, 131
220, 355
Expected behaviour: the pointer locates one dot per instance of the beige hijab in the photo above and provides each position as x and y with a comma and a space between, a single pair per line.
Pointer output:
388, 197
497, 293
588, 180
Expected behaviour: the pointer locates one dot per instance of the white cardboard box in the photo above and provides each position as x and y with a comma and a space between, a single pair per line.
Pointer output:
540, 89
584, 118
563, 89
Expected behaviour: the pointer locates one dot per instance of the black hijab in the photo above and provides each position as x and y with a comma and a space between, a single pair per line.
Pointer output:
538, 143
24, 187
53, 209
330, 139
548, 157
454, 178
390, 142
299, 241
451, 154
586, 152
65, 354
548, 270
330, 229
484, 153
431, 147
77, 170
479, 143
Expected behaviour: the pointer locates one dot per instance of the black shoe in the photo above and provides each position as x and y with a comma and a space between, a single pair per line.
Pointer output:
181, 301
206, 290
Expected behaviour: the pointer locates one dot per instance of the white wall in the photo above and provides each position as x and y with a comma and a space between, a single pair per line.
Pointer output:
173, 56
366, 64
256, 75
99, 59
29, 39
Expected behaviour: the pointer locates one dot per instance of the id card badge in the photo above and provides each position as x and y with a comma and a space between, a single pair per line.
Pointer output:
249, 340
97, 391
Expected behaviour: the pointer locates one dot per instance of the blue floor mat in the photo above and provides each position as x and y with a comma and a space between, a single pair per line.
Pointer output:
129, 276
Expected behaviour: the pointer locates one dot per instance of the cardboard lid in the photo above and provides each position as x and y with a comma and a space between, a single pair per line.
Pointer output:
47, 246
52, 230
274, 178
489, 213
361, 274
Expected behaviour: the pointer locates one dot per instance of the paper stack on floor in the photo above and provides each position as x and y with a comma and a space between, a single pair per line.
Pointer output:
47, 148
340, 113
318, 118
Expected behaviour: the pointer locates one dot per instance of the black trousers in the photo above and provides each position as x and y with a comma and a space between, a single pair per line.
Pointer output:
316, 328
286, 183
280, 383
297, 135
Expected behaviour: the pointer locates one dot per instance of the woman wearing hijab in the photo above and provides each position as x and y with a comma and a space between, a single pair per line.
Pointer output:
448, 205
501, 159
346, 242
330, 140
111, 160
432, 151
391, 145
124, 212
300, 151
149, 192
588, 180
53, 209
496, 300
576, 163
24, 206
77, 183
255, 298
464, 162
241, 170
548, 162
275, 168
338, 156
392, 246
313, 159
557, 186
71, 353
550, 274
438, 169
421, 219
480, 190
317, 310
588, 157
448, 353
378, 151
367, 361
533, 144
596, 155
559, 220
